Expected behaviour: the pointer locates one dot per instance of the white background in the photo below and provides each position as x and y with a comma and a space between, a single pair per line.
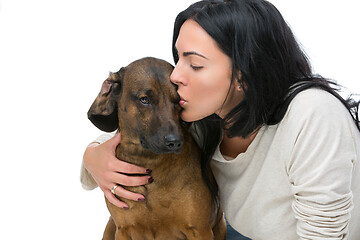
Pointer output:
54, 56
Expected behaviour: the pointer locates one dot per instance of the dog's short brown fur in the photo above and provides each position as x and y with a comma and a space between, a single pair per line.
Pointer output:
142, 103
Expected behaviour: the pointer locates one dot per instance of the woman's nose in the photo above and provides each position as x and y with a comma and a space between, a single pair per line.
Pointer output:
175, 76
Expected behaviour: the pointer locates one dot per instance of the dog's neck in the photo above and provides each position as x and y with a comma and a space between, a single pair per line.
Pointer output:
130, 149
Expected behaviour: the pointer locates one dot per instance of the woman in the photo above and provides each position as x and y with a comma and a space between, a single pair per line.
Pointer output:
283, 145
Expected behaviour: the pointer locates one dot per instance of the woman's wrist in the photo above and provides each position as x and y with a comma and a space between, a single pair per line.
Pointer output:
88, 153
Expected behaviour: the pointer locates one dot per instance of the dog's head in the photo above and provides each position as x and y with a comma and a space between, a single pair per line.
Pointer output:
141, 101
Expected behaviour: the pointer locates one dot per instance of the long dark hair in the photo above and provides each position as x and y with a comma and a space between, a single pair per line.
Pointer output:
264, 50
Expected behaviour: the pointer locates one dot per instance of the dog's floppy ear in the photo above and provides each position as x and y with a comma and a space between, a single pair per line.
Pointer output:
103, 111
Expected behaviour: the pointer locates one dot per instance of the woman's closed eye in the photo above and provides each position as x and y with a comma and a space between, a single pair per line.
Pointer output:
195, 67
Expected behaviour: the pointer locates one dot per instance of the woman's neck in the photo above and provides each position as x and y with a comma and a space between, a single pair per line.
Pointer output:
232, 147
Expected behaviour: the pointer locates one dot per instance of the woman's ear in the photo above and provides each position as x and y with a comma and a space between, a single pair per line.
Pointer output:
239, 84
103, 111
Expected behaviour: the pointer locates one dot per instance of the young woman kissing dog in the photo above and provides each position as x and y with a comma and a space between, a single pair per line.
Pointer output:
283, 145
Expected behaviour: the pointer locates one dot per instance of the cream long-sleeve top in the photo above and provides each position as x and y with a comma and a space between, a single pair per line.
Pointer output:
299, 179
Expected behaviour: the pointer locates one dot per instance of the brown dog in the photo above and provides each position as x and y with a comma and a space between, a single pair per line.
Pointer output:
142, 103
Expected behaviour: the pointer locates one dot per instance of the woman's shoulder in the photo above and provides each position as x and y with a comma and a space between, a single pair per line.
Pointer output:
317, 103
316, 110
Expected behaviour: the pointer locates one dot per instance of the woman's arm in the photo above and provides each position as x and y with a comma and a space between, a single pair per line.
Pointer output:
101, 167
321, 166
87, 181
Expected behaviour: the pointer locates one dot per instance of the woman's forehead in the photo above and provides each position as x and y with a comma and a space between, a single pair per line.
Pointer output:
194, 40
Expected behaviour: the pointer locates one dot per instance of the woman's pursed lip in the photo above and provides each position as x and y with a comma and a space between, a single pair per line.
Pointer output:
182, 102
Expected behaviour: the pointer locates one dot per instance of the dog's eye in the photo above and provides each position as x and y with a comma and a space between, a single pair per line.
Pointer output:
144, 100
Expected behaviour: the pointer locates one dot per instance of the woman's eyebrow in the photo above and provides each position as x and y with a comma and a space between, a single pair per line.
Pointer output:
185, 54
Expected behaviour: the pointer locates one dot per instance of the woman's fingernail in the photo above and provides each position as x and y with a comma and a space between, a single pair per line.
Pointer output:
148, 171
150, 180
141, 199
126, 208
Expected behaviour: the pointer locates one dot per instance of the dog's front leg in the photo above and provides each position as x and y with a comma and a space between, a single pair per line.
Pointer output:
109, 233
199, 233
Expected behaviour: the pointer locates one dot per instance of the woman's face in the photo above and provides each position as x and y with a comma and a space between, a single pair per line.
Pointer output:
203, 75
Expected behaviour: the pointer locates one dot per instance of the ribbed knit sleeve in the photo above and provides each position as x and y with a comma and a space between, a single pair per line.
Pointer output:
87, 181
321, 166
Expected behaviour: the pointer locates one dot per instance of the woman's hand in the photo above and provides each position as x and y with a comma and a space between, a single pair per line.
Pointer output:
107, 171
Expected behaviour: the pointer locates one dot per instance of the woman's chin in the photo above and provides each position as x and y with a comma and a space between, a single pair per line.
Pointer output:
185, 117
190, 117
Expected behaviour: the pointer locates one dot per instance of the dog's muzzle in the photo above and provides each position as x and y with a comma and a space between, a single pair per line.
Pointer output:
173, 142
170, 143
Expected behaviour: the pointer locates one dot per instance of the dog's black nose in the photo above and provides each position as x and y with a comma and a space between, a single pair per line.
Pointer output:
173, 142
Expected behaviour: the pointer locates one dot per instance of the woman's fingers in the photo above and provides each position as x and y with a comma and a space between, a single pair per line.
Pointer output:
112, 199
107, 170
125, 180
125, 167
122, 192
